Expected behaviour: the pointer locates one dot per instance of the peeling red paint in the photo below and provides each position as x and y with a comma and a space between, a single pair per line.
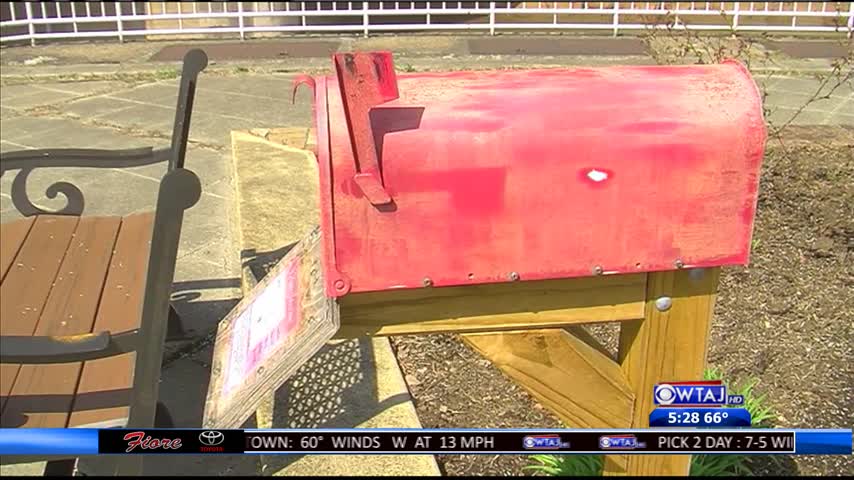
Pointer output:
492, 172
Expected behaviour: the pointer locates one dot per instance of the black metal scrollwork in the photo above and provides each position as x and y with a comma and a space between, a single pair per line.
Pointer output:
28, 160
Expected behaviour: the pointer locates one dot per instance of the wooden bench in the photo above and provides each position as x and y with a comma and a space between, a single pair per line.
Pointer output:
85, 299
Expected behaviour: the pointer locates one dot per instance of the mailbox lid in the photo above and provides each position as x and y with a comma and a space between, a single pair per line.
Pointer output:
542, 174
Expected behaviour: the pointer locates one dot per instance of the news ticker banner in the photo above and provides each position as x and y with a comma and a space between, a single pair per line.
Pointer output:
77, 442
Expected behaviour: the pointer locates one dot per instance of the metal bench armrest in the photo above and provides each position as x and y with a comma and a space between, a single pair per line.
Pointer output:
65, 349
81, 157
28, 160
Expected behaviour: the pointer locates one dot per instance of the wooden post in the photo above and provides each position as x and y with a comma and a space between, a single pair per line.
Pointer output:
669, 344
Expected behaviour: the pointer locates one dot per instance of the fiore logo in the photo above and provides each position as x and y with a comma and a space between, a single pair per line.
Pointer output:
145, 442
209, 440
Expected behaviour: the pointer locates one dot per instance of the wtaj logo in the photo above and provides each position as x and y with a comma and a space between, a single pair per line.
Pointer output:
210, 440
620, 442
688, 394
543, 442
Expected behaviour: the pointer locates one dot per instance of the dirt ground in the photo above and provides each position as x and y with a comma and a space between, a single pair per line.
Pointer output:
786, 320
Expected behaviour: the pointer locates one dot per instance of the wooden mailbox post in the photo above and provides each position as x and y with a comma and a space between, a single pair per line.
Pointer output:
512, 206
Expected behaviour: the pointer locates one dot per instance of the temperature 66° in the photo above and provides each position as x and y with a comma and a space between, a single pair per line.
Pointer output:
711, 418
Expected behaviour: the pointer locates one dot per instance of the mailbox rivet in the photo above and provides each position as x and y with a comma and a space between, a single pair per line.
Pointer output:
663, 304
597, 270
514, 276
678, 263
427, 282
340, 285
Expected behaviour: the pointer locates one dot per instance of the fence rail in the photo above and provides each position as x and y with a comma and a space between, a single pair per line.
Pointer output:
36, 21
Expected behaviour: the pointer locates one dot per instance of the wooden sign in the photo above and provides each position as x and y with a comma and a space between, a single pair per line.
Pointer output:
273, 331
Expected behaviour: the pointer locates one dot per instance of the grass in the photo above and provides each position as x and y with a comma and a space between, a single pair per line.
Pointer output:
761, 416
166, 74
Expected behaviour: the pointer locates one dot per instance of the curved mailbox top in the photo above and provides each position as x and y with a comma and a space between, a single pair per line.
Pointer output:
477, 177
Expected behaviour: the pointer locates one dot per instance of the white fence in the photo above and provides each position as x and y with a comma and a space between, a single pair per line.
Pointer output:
35, 21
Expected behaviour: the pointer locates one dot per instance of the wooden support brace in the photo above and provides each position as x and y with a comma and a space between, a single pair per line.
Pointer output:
667, 345
583, 386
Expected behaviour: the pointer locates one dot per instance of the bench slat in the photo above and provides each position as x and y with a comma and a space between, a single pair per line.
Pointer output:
104, 392
42, 394
13, 236
26, 286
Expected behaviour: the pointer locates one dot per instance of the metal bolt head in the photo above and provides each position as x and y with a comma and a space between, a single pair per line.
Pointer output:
679, 263
339, 285
597, 270
514, 276
427, 282
663, 304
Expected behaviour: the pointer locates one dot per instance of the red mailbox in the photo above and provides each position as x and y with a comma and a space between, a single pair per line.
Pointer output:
436, 179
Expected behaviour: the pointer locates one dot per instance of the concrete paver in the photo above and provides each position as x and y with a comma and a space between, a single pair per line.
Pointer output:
36, 97
101, 105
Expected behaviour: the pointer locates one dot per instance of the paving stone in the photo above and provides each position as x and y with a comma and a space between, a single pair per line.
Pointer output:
207, 223
87, 88
264, 111
211, 166
95, 107
213, 129
42, 132
272, 86
781, 115
159, 93
205, 289
145, 118
809, 86
8, 112
11, 91
17, 128
36, 97
6, 146
845, 119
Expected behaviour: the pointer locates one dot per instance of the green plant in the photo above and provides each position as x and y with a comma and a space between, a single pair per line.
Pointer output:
761, 415
701, 465
567, 465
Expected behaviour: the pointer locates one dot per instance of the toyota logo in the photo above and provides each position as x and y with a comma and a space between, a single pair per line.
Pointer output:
211, 438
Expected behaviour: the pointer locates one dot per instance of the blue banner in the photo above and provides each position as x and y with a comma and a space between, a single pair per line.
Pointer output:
744, 441
48, 441
699, 417
826, 442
